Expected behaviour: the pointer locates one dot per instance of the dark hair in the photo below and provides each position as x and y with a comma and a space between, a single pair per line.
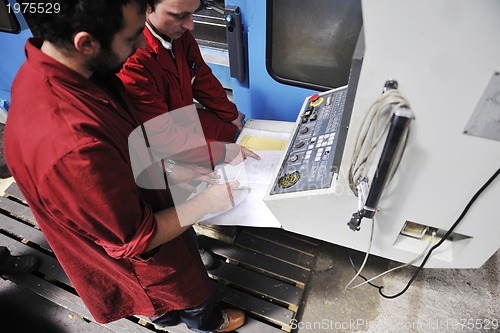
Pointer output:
152, 4
102, 19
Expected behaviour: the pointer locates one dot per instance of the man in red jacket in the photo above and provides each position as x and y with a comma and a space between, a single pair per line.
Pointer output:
170, 72
66, 145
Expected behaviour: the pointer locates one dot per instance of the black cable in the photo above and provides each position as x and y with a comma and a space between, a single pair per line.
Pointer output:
361, 276
464, 212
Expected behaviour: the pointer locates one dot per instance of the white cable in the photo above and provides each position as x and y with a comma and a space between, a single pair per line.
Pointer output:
366, 256
400, 266
370, 133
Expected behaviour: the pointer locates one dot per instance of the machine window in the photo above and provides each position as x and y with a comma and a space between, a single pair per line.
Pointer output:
8, 21
311, 43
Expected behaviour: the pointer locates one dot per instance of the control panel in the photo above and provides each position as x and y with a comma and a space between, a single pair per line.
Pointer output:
310, 162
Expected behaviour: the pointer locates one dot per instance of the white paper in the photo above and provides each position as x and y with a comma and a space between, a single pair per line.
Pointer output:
255, 177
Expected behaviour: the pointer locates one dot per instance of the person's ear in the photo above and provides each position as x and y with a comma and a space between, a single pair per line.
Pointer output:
86, 44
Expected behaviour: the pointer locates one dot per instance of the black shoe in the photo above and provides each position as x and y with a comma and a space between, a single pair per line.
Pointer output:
207, 258
20, 264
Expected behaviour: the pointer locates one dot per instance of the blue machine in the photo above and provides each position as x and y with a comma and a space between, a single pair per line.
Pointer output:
13, 34
260, 96
279, 38
248, 50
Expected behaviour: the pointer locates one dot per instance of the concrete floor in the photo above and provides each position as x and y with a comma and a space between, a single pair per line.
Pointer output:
439, 300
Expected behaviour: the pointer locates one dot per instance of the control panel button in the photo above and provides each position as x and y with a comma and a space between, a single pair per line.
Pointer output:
300, 144
289, 179
314, 98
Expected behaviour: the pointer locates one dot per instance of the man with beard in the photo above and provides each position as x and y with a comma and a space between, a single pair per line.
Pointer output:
66, 145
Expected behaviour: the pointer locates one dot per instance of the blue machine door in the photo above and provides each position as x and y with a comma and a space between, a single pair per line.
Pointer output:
291, 49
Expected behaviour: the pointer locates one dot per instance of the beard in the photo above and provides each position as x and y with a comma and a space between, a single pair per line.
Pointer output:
106, 61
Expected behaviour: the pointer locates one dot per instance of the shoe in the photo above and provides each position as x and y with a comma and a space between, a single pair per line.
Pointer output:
20, 264
231, 320
207, 258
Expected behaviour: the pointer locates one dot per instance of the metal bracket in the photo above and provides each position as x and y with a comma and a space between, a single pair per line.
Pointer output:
234, 33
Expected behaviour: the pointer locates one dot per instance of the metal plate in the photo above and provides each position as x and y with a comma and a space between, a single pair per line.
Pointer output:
485, 121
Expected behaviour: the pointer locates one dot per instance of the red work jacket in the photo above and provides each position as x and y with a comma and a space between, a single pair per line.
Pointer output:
158, 83
66, 145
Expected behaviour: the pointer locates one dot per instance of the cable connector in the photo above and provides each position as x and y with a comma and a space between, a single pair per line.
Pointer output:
433, 231
361, 191
354, 223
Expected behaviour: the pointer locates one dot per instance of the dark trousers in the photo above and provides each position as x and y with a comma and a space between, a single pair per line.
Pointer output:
203, 318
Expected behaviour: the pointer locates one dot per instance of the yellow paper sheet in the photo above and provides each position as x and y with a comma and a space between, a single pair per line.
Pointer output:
260, 143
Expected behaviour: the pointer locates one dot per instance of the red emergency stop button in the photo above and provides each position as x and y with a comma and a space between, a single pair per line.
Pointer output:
314, 98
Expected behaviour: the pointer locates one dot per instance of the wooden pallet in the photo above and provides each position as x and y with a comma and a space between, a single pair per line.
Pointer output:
261, 271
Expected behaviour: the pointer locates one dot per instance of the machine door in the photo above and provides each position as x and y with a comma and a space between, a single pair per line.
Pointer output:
292, 49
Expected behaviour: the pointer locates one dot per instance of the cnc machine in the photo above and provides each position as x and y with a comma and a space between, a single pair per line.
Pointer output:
446, 67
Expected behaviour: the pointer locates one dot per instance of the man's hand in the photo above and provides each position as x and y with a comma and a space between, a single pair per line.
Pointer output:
218, 198
172, 221
188, 176
235, 154
238, 122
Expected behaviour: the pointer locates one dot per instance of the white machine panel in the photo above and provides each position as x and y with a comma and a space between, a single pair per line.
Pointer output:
443, 54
